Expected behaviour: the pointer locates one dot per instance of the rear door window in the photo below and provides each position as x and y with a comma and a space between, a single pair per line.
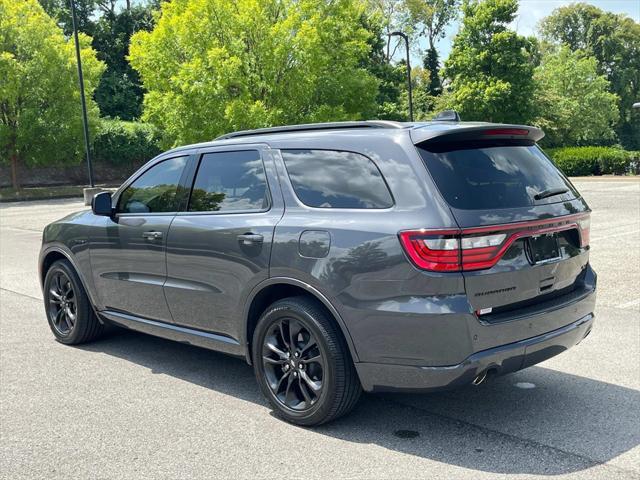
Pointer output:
230, 182
484, 176
334, 179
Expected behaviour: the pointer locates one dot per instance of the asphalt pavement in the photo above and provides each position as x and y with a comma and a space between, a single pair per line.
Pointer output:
134, 406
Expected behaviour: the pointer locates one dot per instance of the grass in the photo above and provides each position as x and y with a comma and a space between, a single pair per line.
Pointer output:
8, 194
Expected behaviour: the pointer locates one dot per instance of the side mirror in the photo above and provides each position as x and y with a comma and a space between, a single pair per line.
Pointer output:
101, 204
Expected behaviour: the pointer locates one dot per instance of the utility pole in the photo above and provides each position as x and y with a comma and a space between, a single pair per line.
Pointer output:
406, 44
85, 122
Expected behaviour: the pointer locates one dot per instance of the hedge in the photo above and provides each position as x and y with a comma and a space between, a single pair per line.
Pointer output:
595, 160
121, 143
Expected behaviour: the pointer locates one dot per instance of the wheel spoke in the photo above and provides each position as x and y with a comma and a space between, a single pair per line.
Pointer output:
58, 317
67, 320
280, 382
314, 359
284, 337
273, 361
55, 294
294, 330
288, 390
276, 350
303, 389
315, 386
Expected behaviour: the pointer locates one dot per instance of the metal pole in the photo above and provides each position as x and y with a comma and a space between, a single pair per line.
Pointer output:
409, 88
85, 122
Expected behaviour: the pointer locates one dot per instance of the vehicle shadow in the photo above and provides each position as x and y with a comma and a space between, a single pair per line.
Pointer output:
565, 424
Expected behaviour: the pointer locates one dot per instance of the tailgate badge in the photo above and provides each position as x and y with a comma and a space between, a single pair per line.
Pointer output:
484, 311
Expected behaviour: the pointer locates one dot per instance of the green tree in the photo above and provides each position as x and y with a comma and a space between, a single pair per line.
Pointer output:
391, 78
110, 23
40, 121
614, 40
120, 93
212, 66
575, 106
490, 70
429, 19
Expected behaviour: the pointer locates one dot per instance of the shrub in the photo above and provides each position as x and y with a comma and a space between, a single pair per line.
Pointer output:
594, 160
121, 144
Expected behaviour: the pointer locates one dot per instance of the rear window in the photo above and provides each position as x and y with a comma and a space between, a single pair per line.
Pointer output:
332, 179
483, 176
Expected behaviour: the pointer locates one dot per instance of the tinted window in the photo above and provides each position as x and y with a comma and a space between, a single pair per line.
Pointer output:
488, 176
156, 190
229, 181
331, 179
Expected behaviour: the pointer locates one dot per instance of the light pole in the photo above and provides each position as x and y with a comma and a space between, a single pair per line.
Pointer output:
406, 45
85, 123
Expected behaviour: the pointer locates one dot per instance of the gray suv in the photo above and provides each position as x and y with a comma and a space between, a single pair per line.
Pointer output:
337, 258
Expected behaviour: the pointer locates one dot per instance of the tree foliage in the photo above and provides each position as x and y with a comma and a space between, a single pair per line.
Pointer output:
120, 91
575, 106
40, 116
429, 19
111, 24
614, 41
213, 66
490, 70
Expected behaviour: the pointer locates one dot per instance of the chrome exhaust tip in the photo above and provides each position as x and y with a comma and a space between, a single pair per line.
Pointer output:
480, 378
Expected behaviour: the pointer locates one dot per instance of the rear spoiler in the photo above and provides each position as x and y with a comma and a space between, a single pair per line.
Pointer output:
456, 132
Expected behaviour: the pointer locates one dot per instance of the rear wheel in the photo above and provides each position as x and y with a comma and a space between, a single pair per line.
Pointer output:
302, 363
69, 312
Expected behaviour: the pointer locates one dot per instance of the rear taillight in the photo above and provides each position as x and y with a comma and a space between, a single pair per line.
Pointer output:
585, 228
482, 247
438, 251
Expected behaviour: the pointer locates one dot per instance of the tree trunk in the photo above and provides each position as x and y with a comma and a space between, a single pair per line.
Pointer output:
14, 171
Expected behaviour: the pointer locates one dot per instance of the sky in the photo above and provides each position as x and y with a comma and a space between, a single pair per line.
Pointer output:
529, 14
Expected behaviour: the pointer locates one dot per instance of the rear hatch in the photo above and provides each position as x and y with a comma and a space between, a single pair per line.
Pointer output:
523, 237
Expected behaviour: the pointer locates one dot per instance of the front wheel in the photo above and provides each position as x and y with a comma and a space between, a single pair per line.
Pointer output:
69, 312
302, 363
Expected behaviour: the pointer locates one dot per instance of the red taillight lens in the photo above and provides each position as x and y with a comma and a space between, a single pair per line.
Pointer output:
585, 229
482, 247
432, 250
480, 251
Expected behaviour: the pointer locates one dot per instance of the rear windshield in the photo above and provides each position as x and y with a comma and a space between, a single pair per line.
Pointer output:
482, 176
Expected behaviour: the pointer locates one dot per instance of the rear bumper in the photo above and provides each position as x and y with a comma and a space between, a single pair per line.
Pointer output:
376, 377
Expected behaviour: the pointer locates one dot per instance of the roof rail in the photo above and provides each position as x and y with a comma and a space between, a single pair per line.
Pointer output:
305, 127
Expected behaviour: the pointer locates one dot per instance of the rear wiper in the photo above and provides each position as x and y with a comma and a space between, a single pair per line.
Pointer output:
550, 193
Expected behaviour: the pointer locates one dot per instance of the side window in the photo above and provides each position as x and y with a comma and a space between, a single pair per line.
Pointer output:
156, 190
332, 179
228, 182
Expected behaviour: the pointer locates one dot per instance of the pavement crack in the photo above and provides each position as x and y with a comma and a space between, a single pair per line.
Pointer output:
20, 293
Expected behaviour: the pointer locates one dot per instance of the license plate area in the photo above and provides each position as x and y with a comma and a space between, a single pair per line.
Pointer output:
544, 248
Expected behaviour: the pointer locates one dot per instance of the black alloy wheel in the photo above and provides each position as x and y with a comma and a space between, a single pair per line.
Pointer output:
62, 304
293, 364
302, 362
69, 311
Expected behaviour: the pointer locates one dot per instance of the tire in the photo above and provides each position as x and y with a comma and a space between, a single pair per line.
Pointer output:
69, 313
319, 385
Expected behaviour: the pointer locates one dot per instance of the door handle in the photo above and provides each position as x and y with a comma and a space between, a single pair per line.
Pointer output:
250, 238
152, 235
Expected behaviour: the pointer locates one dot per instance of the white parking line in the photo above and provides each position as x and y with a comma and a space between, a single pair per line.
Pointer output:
613, 235
629, 304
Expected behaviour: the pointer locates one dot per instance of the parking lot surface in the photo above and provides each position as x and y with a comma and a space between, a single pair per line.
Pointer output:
133, 406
